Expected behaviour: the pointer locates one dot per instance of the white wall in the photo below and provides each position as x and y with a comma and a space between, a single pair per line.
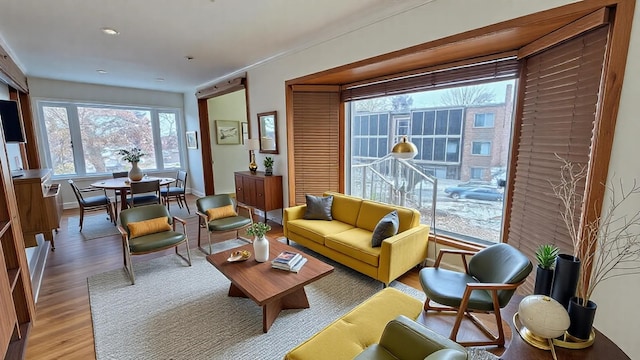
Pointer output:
48, 89
195, 180
617, 312
227, 158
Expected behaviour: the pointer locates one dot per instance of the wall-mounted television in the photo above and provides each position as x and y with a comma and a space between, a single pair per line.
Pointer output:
11, 123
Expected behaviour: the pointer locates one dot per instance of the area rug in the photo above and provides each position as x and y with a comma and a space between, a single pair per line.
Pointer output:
93, 226
180, 312
182, 213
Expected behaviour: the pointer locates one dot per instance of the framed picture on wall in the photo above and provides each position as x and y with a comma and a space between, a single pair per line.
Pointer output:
227, 132
245, 132
192, 140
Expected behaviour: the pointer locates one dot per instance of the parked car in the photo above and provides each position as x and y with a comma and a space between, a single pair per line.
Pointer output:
479, 193
474, 183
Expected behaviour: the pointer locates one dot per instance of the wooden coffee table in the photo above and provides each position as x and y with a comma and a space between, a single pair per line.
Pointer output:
272, 289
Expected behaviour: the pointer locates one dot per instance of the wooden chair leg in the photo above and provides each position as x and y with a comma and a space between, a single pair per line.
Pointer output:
81, 217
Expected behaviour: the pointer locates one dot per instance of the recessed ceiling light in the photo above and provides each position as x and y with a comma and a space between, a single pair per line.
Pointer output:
188, 57
159, 79
100, 71
110, 31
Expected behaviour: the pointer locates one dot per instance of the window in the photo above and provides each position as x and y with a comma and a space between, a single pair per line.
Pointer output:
84, 139
447, 139
370, 135
481, 148
483, 120
477, 173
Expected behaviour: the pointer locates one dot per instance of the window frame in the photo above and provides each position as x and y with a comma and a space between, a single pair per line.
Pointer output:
78, 146
484, 120
473, 143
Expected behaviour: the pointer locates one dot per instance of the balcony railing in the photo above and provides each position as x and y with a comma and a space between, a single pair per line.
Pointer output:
399, 182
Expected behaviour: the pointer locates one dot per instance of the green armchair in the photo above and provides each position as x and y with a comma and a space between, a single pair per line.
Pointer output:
220, 215
147, 229
405, 339
487, 285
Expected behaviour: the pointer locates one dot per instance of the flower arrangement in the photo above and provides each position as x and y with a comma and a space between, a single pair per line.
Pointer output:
608, 245
132, 155
258, 229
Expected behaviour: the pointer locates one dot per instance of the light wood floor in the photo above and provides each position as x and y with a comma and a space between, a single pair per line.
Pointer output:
63, 328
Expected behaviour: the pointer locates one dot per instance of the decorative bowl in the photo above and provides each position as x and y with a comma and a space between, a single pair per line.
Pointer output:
240, 255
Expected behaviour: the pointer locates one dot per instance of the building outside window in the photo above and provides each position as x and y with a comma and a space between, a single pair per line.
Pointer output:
477, 173
481, 148
483, 120
83, 139
457, 143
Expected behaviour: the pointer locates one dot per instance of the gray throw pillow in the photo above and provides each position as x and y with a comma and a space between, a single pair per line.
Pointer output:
387, 227
318, 207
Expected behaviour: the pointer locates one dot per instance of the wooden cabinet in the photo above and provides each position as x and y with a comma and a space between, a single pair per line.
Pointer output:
17, 308
39, 205
260, 191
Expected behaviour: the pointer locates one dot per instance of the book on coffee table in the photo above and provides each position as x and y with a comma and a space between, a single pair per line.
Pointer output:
293, 267
287, 258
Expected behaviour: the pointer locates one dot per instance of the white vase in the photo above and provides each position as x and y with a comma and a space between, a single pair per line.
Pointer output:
261, 248
135, 174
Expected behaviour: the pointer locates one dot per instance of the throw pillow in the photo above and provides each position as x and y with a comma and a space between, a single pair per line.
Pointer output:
318, 207
221, 212
146, 227
386, 227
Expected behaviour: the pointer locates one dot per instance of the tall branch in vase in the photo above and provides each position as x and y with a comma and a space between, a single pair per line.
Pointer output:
608, 245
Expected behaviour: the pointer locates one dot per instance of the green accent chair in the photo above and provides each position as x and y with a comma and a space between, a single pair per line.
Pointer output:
406, 339
491, 277
153, 242
231, 225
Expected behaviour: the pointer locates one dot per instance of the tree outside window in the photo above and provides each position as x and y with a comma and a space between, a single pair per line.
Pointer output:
84, 139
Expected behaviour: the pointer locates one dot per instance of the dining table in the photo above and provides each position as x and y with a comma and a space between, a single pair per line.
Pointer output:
124, 184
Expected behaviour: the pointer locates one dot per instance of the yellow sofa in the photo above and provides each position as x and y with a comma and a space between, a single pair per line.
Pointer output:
347, 238
360, 328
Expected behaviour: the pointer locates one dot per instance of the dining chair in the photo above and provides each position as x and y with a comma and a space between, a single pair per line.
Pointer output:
220, 215
144, 193
178, 192
147, 229
491, 277
92, 203
116, 192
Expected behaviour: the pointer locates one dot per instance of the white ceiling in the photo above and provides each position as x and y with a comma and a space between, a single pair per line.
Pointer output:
62, 39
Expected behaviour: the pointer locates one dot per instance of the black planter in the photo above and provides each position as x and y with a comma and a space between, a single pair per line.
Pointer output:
581, 318
268, 171
565, 279
544, 279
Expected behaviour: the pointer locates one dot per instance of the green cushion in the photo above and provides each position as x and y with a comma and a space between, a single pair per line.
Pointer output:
213, 201
228, 223
446, 287
155, 241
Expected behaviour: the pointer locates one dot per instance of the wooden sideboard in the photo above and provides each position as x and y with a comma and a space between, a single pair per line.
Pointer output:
39, 205
260, 191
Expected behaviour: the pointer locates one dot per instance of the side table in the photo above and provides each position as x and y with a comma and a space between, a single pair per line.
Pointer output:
602, 348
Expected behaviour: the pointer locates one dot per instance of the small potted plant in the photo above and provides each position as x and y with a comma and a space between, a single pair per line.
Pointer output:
268, 166
546, 256
260, 243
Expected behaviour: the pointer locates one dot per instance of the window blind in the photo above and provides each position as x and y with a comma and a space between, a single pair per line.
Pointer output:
491, 70
560, 98
316, 143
